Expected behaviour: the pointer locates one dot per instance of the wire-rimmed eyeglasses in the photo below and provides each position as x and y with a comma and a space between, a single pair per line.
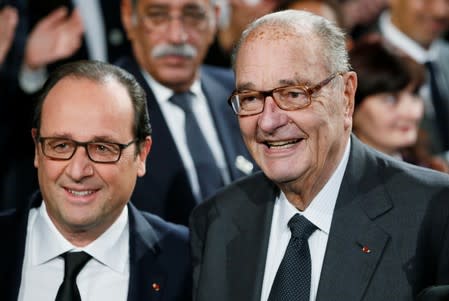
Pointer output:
289, 98
192, 17
58, 148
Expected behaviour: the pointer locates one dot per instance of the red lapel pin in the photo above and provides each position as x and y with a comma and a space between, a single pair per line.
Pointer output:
366, 250
156, 286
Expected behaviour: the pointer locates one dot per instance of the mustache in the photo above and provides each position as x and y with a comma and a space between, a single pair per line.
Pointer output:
185, 50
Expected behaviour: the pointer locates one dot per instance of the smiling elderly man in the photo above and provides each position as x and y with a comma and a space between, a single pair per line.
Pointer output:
328, 218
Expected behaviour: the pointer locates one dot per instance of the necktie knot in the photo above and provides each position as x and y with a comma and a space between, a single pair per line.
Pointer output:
73, 264
301, 227
182, 100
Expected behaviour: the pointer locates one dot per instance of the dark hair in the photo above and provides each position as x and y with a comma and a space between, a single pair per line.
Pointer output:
380, 70
100, 72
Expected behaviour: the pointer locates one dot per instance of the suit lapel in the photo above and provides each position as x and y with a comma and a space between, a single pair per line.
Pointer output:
356, 243
225, 122
144, 268
247, 249
14, 233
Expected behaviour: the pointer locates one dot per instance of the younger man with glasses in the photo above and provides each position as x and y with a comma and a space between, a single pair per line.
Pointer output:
328, 218
80, 238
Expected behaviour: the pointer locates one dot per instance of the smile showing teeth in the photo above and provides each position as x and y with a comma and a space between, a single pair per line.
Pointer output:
281, 144
80, 193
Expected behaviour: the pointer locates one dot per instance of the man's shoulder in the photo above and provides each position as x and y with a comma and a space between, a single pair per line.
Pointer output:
162, 228
238, 194
9, 217
370, 160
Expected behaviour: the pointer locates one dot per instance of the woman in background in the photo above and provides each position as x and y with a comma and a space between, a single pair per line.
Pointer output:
388, 110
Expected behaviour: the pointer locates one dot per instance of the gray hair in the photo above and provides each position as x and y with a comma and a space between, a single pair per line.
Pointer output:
333, 40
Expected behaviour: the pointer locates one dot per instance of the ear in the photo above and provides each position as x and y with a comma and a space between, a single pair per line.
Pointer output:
36, 147
128, 16
350, 86
145, 148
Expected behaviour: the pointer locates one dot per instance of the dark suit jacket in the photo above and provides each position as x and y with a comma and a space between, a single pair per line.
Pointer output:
380, 205
433, 248
159, 253
165, 186
434, 293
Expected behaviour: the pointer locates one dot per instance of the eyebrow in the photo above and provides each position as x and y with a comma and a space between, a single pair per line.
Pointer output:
282, 82
93, 139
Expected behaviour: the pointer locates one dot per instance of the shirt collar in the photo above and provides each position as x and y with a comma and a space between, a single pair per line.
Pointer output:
321, 209
400, 40
162, 93
111, 248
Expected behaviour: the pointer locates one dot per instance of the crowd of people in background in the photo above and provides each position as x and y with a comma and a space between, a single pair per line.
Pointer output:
184, 51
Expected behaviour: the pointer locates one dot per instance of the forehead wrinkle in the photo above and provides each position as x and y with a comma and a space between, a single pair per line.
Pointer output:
274, 32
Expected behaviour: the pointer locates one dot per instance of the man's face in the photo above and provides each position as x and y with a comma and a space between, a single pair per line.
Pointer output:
170, 37
294, 147
80, 195
421, 20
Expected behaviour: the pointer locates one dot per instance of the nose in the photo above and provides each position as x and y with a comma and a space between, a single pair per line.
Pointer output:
80, 166
272, 116
176, 31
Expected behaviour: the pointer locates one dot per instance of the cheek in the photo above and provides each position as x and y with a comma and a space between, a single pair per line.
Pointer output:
418, 110
248, 127
49, 170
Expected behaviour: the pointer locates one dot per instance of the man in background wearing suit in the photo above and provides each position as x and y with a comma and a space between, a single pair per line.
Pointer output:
169, 40
92, 136
329, 218
416, 28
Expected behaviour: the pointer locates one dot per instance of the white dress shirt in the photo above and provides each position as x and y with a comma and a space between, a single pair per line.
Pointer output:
95, 33
174, 117
319, 212
104, 277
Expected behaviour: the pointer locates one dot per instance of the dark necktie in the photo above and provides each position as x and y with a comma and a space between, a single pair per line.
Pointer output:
73, 264
440, 105
209, 176
292, 281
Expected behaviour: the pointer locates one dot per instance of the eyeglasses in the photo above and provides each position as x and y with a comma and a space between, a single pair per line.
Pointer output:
194, 17
287, 98
99, 152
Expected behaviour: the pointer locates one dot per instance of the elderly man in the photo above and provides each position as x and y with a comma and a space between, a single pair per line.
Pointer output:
200, 148
329, 218
80, 238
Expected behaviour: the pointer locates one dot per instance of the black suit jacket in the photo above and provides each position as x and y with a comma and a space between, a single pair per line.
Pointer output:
159, 253
165, 186
434, 293
380, 205
433, 248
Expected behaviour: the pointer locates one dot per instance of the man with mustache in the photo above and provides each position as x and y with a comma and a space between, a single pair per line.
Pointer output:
200, 150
